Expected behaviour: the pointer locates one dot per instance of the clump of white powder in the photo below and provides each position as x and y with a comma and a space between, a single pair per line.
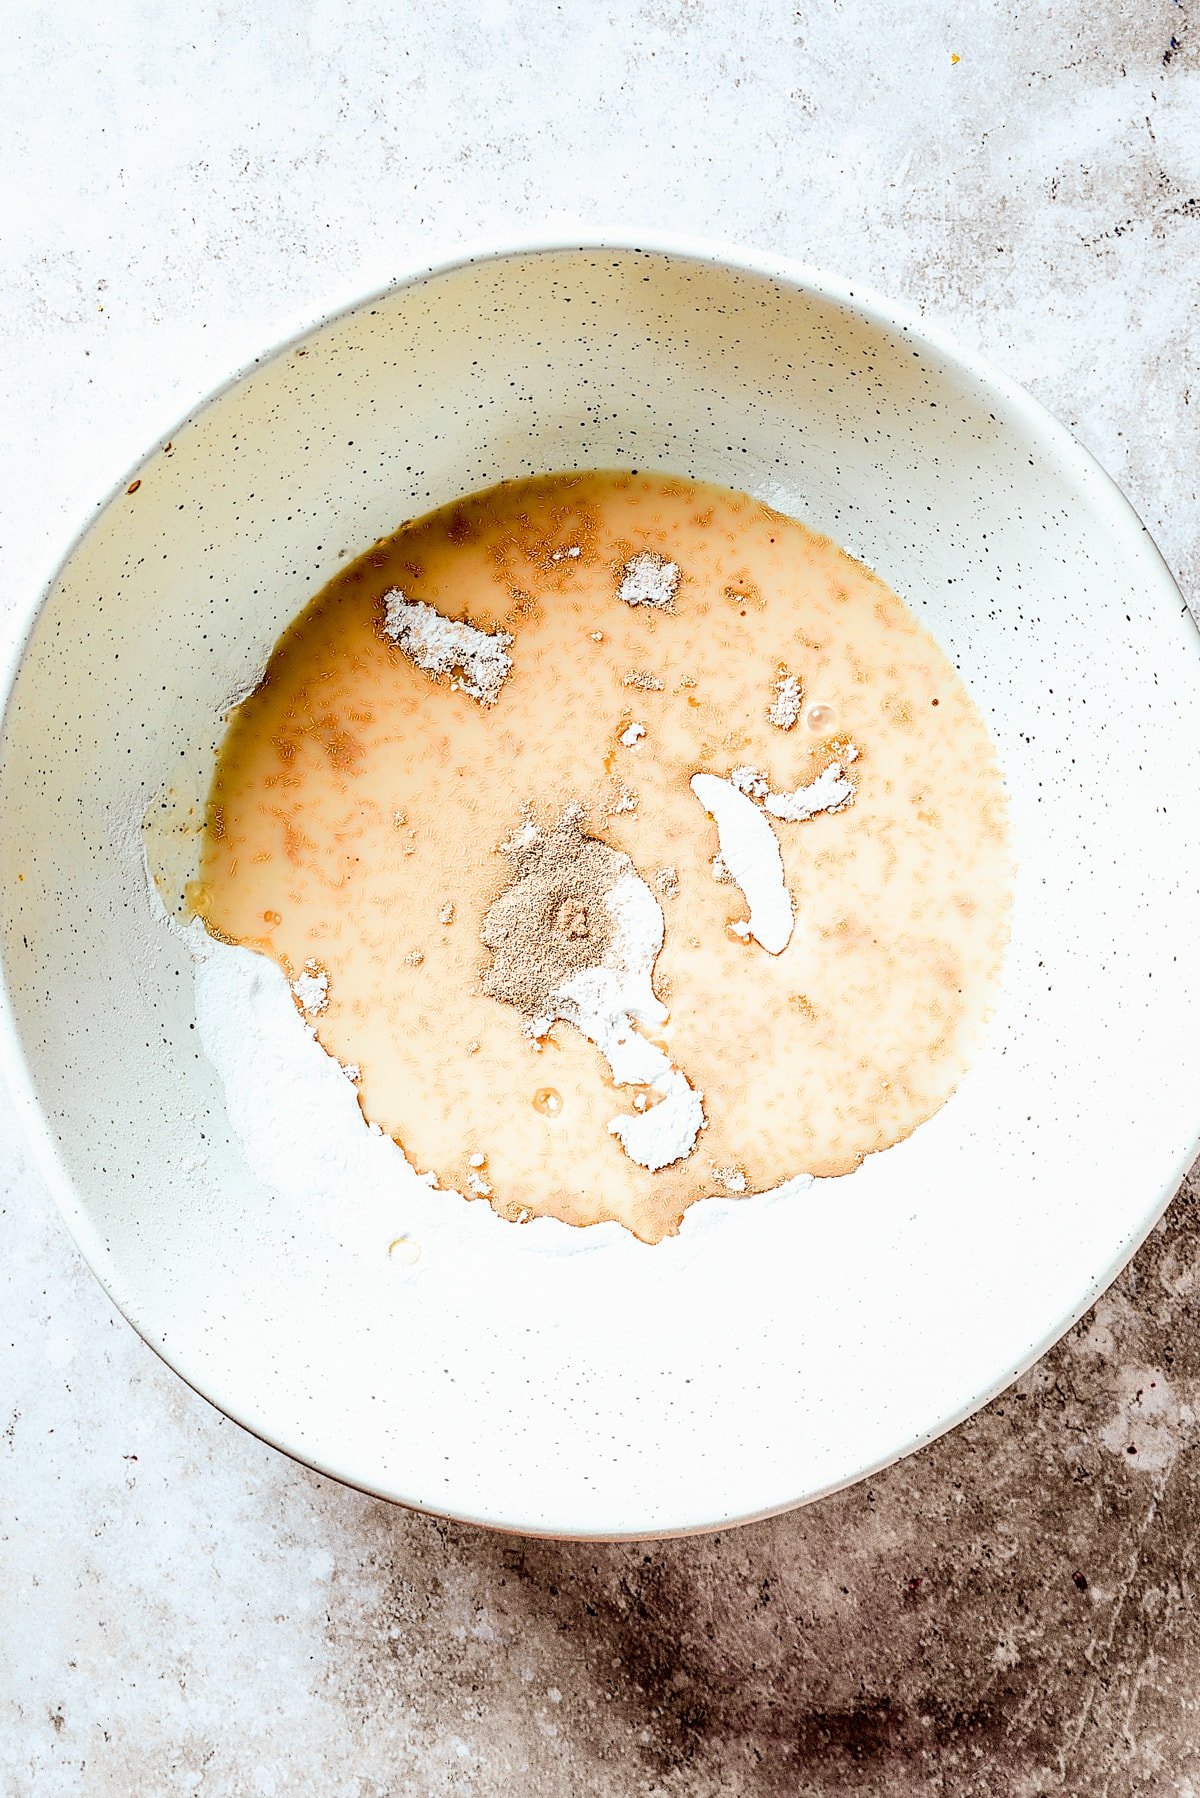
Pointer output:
784, 708
605, 1002
311, 987
731, 1178
523, 837
623, 800
648, 579
831, 791
750, 853
574, 936
632, 734
750, 782
475, 662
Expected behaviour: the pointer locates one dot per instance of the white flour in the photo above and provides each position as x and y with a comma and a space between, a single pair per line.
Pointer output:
290, 1104
750, 782
476, 662
624, 799
784, 708
831, 791
606, 1002
666, 1132
750, 855
731, 1178
311, 987
648, 579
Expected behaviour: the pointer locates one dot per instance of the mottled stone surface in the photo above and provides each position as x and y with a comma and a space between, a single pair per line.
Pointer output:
1012, 1612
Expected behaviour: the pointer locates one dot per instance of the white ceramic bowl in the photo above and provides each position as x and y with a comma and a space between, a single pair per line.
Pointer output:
773, 1351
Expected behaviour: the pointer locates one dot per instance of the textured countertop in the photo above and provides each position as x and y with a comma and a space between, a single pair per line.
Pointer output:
1013, 1612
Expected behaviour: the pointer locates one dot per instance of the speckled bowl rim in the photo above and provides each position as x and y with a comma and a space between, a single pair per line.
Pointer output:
858, 298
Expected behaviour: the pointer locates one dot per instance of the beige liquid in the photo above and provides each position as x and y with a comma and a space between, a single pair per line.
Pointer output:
356, 799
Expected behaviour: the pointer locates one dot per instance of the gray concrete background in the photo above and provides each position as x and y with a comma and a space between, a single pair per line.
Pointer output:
1012, 1612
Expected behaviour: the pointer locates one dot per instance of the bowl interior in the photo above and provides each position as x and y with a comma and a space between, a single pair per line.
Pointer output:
775, 1349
